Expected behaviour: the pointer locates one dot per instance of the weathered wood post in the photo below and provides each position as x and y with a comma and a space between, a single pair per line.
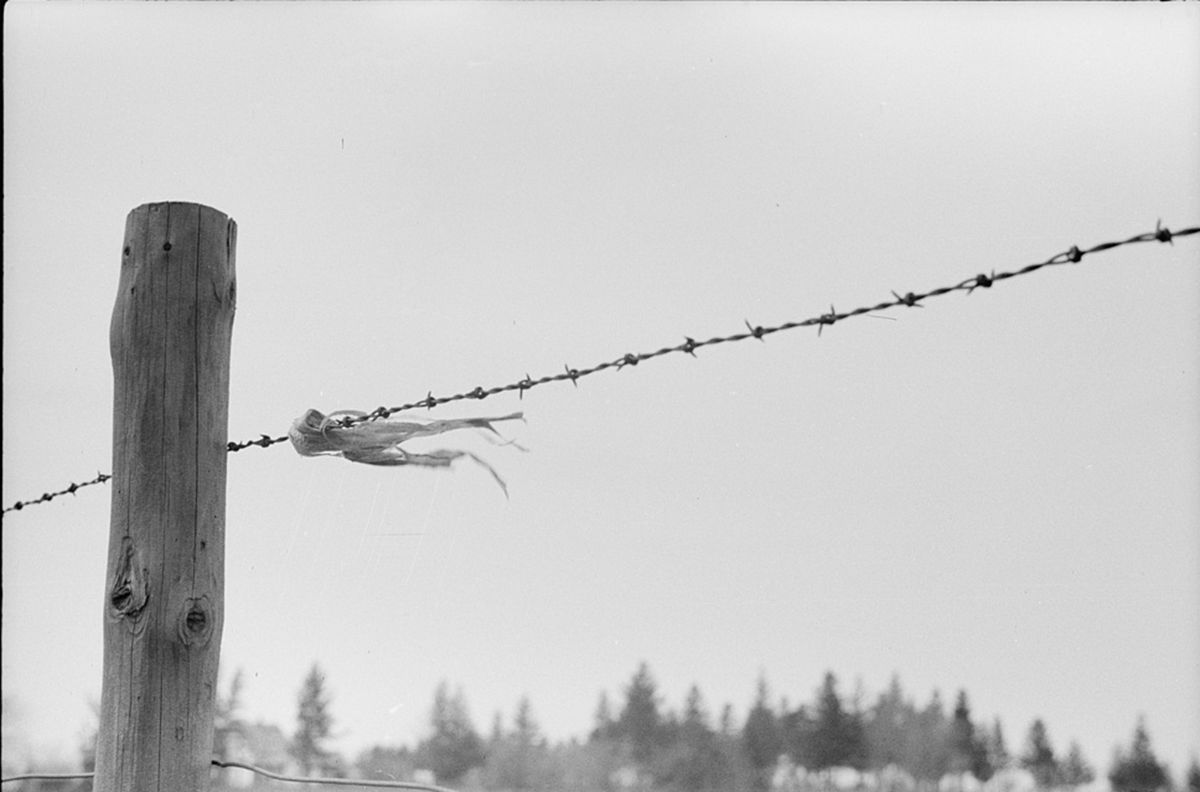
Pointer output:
163, 603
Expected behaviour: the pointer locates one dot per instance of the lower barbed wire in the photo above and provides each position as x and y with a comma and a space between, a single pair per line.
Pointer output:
229, 764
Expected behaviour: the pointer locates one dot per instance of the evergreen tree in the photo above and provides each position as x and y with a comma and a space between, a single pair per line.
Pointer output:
518, 760
926, 756
669, 726
997, 751
87, 740
967, 748
1075, 770
732, 748
695, 717
603, 726
497, 734
1193, 776
226, 719
1138, 770
837, 734
961, 737
856, 729
760, 736
525, 728
639, 726
380, 763
313, 726
887, 726
796, 729
1038, 757
584, 766
454, 747
694, 761
983, 768
726, 726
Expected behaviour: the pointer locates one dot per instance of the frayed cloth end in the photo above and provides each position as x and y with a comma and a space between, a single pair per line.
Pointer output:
378, 442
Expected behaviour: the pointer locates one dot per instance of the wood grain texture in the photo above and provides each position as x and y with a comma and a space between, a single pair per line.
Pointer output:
163, 608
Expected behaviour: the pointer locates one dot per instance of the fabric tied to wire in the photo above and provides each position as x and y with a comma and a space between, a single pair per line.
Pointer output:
378, 442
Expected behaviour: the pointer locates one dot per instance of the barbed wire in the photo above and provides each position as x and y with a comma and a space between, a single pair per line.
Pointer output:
49, 496
911, 299
689, 346
220, 763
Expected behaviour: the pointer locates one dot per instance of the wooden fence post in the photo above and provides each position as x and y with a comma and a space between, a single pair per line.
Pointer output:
163, 603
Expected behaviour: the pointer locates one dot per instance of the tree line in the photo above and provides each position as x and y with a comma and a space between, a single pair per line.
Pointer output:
636, 743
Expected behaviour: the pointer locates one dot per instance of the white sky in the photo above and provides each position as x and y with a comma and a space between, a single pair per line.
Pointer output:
997, 493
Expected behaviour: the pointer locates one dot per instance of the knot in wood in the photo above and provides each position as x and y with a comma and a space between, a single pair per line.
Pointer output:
129, 590
196, 623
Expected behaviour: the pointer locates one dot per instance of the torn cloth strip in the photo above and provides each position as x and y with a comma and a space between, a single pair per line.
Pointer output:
378, 442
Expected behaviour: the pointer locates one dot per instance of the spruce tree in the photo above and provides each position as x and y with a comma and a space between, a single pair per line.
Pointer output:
1038, 757
926, 756
313, 725
796, 729
982, 767
603, 725
726, 725
837, 734
760, 736
997, 751
1138, 770
497, 734
525, 727
962, 737
226, 717
385, 763
1193, 776
1075, 770
694, 761
734, 761
886, 727
695, 726
640, 724
454, 747
517, 760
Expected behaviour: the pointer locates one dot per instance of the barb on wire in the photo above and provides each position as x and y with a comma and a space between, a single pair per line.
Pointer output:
219, 763
911, 299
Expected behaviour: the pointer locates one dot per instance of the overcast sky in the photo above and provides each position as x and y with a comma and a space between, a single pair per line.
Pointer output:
998, 492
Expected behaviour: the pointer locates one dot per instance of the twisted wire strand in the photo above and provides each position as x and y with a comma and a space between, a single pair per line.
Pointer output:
220, 763
1073, 255
46, 777
355, 782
